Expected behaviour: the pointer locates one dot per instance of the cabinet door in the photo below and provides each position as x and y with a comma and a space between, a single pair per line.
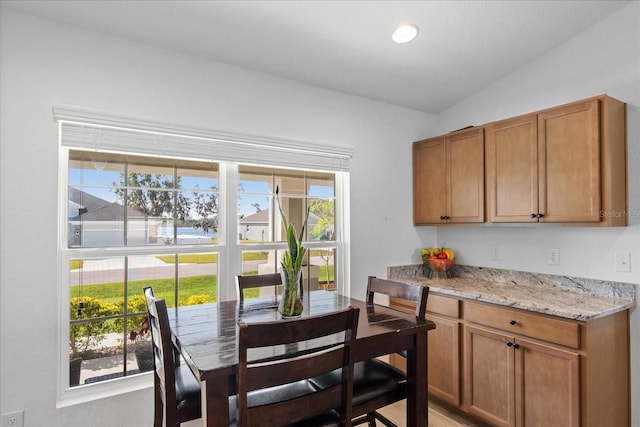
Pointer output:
444, 359
569, 163
489, 376
465, 177
429, 188
512, 162
547, 385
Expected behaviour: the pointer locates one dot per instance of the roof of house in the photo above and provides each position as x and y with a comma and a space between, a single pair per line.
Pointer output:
258, 217
98, 209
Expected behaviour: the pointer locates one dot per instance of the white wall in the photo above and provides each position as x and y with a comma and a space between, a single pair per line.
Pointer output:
605, 59
43, 63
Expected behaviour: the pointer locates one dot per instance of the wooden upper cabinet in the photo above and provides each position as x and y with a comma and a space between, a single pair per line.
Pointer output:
429, 185
512, 169
565, 164
569, 163
448, 178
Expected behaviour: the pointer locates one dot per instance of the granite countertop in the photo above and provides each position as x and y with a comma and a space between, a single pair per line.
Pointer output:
572, 298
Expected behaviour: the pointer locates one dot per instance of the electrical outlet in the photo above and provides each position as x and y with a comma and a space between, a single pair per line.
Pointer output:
553, 256
623, 262
494, 250
13, 419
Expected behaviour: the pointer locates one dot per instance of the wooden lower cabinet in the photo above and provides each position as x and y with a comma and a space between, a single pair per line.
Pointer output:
511, 367
518, 382
444, 364
489, 376
547, 385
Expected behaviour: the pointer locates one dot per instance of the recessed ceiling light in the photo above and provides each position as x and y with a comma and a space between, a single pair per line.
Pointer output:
405, 33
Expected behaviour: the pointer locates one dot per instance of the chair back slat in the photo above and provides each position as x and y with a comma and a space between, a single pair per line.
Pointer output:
306, 354
416, 294
294, 370
296, 410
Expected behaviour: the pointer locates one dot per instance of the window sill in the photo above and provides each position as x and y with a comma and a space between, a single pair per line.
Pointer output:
87, 393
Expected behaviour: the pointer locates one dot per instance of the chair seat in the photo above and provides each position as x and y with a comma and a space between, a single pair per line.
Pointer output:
371, 379
187, 391
282, 393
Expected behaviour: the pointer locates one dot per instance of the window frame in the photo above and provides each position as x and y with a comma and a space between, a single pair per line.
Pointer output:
229, 251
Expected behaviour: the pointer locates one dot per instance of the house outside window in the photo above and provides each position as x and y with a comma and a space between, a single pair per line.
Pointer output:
185, 226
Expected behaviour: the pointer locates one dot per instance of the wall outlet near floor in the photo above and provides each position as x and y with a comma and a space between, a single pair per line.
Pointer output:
623, 262
13, 419
553, 256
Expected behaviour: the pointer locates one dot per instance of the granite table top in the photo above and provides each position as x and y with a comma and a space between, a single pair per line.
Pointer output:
569, 299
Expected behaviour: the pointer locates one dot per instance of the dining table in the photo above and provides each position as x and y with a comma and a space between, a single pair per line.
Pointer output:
206, 335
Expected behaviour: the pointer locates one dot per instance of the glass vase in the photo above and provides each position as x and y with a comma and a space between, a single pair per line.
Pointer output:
291, 303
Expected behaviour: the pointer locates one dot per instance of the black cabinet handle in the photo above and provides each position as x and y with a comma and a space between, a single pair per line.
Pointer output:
516, 346
512, 322
509, 344
533, 215
540, 215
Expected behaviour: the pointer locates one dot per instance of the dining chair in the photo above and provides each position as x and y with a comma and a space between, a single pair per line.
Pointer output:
176, 390
376, 383
274, 389
259, 281
414, 294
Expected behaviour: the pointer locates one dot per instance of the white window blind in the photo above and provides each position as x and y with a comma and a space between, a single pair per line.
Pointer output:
87, 129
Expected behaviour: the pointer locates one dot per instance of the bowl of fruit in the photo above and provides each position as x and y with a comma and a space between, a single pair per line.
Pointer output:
438, 261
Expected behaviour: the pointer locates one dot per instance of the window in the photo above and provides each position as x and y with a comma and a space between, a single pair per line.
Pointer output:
260, 223
185, 225
155, 212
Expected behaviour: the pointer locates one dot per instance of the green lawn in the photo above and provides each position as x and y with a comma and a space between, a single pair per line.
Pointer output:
163, 288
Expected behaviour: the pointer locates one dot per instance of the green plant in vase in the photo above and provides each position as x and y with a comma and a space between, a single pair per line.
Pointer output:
291, 266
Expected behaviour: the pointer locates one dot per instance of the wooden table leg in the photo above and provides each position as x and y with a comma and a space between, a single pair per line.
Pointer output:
215, 403
417, 401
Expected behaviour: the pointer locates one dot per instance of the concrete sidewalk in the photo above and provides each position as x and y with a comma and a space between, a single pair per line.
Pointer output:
117, 263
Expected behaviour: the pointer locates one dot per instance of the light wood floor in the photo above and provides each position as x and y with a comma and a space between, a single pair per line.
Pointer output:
438, 416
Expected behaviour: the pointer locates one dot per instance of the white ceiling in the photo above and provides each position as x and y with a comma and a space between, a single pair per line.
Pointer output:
346, 46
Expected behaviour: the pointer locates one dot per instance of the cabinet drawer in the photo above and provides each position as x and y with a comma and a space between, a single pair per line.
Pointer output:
517, 322
445, 306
